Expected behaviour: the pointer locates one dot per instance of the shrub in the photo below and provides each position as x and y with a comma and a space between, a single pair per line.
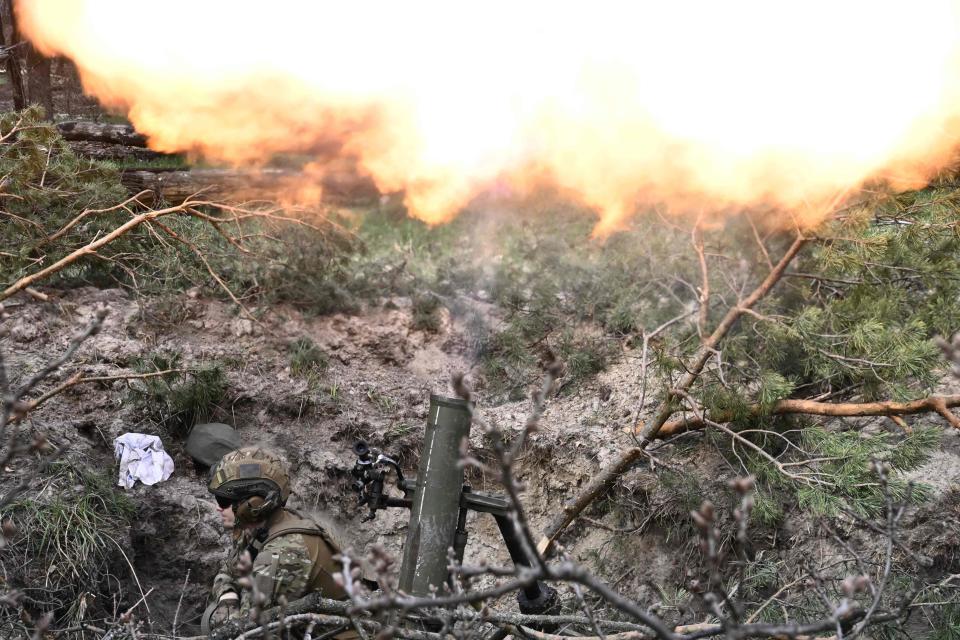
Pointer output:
306, 358
426, 313
67, 543
177, 401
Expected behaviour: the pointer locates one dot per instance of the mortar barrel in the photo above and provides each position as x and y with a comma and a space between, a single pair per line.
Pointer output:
436, 500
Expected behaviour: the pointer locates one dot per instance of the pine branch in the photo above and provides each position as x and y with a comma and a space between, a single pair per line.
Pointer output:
606, 477
938, 404
91, 248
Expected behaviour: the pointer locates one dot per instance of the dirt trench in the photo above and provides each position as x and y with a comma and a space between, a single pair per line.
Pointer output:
375, 386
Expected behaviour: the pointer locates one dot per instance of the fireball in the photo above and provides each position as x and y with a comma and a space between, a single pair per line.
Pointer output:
691, 104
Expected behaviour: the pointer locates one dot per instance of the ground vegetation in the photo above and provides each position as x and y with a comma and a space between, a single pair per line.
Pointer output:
802, 363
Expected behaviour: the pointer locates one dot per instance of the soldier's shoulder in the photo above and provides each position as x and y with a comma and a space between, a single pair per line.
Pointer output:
287, 545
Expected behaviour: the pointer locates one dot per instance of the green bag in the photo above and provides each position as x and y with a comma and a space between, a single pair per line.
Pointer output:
207, 443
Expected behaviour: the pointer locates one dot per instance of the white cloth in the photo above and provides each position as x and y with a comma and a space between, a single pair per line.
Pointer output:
141, 458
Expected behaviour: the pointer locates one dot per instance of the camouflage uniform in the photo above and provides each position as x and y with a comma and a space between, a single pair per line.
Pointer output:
291, 558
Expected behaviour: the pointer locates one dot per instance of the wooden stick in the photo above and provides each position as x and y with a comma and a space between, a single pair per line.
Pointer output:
78, 378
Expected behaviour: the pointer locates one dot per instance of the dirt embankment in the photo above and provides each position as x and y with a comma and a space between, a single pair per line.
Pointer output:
375, 385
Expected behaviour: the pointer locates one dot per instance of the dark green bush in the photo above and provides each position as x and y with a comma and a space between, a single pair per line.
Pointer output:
67, 544
306, 358
426, 313
179, 400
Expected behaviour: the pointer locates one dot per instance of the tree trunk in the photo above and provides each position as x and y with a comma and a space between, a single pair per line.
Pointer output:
39, 90
13, 60
117, 152
236, 185
123, 134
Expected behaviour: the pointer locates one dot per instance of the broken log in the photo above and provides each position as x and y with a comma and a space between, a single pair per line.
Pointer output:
339, 186
123, 134
115, 152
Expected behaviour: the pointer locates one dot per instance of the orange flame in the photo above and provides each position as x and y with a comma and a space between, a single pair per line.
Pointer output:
691, 101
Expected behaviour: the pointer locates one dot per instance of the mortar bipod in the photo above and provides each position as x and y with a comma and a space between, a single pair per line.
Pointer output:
370, 471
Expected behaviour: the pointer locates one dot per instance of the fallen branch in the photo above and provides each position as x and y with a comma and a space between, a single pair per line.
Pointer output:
338, 184
313, 603
92, 212
122, 134
602, 481
626, 635
90, 249
37, 295
708, 346
26, 407
938, 404
150, 219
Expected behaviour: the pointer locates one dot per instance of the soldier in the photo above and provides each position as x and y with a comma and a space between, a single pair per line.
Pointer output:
290, 556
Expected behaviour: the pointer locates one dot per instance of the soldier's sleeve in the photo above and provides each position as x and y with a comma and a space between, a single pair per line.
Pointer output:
224, 581
224, 602
282, 568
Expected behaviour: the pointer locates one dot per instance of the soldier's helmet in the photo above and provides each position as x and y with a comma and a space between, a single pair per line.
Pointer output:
254, 480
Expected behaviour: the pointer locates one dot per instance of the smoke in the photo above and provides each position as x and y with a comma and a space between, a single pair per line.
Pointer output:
618, 103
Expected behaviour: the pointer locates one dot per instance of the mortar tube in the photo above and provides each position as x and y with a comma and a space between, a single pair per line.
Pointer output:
435, 512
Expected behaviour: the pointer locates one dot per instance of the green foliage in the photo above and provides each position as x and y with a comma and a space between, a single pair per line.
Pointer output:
426, 313
307, 265
761, 575
767, 511
947, 623
180, 399
841, 476
384, 403
686, 494
165, 310
306, 358
401, 429
67, 539
852, 483
165, 162
870, 300
51, 186
854, 316
773, 388
584, 355
307, 268
673, 597
623, 318
508, 360
552, 285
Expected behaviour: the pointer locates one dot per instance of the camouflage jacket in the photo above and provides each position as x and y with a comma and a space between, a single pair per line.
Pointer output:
292, 557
